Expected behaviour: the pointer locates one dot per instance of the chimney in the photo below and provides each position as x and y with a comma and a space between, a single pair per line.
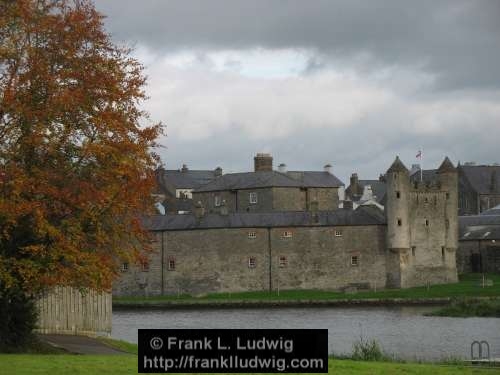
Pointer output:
328, 168
282, 168
184, 168
354, 184
218, 172
263, 162
199, 210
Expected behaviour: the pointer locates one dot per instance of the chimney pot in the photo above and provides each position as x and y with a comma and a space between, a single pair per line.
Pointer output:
184, 168
328, 168
282, 168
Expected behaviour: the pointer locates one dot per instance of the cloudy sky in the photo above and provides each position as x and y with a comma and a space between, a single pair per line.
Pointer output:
350, 83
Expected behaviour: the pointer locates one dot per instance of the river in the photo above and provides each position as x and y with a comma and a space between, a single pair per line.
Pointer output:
401, 331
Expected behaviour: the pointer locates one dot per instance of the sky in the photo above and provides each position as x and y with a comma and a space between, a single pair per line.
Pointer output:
350, 83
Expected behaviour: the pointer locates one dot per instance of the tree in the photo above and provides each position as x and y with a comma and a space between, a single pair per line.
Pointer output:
76, 151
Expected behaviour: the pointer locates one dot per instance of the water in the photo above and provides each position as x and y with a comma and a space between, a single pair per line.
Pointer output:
402, 331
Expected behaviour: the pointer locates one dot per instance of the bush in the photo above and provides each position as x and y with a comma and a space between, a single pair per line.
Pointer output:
367, 350
18, 319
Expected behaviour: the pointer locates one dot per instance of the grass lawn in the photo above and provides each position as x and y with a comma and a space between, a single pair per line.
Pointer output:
21, 364
470, 285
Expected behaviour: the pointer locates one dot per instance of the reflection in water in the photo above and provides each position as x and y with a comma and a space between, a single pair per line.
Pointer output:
402, 331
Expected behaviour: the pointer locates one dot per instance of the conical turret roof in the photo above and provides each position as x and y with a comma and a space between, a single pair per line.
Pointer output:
397, 166
446, 166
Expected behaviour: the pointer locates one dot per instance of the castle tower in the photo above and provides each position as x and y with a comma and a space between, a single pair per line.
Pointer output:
448, 178
398, 222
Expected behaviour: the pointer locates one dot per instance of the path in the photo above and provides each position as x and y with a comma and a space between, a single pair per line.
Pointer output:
80, 344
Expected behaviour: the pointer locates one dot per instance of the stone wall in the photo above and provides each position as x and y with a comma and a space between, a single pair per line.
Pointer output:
317, 258
486, 253
219, 260
327, 198
270, 199
289, 199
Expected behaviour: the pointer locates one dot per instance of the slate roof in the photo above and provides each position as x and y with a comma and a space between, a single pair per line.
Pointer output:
168, 180
446, 166
261, 179
492, 211
481, 233
428, 175
361, 216
315, 178
480, 177
379, 188
397, 166
484, 226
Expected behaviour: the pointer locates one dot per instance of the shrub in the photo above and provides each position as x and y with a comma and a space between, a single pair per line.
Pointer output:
18, 319
367, 350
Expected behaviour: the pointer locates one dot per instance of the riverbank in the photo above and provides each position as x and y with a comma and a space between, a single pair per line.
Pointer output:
470, 285
465, 308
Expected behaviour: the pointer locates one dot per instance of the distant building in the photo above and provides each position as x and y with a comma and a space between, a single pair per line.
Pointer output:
479, 242
175, 187
268, 190
479, 188
366, 192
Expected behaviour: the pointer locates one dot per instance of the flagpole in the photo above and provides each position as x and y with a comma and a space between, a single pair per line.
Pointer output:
421, 165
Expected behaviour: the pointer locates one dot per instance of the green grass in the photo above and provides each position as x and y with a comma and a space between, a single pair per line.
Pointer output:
464, 308
21, 364
468, 286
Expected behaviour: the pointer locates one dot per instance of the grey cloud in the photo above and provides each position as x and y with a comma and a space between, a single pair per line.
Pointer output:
457, 40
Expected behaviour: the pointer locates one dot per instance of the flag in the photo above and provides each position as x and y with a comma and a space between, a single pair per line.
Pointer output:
419, 155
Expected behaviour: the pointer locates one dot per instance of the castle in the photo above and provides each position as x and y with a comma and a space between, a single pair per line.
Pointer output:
278, 230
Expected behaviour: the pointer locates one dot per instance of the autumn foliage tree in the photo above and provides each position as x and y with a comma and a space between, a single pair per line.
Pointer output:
76, 159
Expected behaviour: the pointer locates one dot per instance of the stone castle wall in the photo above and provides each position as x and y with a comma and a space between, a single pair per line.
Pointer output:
218, 260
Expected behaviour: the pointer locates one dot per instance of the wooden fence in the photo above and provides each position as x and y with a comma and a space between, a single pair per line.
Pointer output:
65, 310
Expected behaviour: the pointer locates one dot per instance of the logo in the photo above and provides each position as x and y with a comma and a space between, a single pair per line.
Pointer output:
156, 343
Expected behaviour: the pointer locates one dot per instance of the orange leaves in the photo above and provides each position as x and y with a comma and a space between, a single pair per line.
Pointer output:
76, 164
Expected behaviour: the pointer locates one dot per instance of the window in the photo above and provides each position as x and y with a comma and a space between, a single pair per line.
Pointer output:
338, 233
283, 262
354, 260
217, 201
252, 235
400, 222
252, 262
252, 198
426, 222
125, 267
447, 195
413, 249
145, 266
171, 264
287, 234
442, 253
398, 194
426, 200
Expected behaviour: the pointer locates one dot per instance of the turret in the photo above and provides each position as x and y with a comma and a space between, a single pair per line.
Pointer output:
398, 197
448, 178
